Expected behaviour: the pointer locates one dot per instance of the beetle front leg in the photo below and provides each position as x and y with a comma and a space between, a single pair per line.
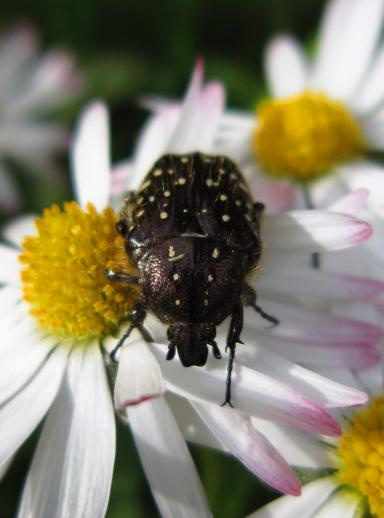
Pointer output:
235, 328
121, 277
138, 317
248, 297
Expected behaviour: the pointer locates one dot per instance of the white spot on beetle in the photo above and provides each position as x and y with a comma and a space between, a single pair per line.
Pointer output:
167, 194
176, 276
163, 215
140, 213
223, 197
181, 181
184, 159
210, 278
151, 199
158, 172
238, 203
215, 253
209, 182
145, 185
171, 251
171, 171
225, 217
248, 218
205, 302
177, 302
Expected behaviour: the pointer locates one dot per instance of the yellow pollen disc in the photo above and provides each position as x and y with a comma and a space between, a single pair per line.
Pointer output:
303, 137
361, 449
63, 279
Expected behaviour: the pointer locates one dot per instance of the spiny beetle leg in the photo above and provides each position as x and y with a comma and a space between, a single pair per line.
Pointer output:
138, 316
235, 328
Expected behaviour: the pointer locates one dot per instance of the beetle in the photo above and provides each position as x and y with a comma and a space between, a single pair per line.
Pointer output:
193, 232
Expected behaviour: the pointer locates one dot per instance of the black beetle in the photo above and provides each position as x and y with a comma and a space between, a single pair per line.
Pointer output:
193, 232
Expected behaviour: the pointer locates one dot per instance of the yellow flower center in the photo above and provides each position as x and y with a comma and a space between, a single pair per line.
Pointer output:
362, 454
63, 279
302, 137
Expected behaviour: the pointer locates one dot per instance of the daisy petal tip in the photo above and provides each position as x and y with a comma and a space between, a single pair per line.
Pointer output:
362, 232
352, 203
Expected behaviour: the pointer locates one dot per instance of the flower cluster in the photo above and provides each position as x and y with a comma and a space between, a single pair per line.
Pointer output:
307, 393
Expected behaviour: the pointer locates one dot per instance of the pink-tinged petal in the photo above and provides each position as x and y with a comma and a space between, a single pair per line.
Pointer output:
199, 117
277, 197
286, 67
348, 37
313, 497
166, 461
139, 376
90, 156
16, 230
9, 265
120, 177
317, 326
301, 281
183, 128
314, 355
71, 472
252, 392
19, 417
309, 383
352, 203
250, 447
304, 232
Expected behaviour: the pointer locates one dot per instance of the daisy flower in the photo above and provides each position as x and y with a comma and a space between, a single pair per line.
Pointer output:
59, 312
194, 393
31, 84
350, 480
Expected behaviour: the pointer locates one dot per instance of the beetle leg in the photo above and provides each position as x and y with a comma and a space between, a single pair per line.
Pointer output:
171, 352
233, 337
138, 316
121, 277
248, 297
215, 350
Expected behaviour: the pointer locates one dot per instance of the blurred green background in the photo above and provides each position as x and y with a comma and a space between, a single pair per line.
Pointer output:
127, 48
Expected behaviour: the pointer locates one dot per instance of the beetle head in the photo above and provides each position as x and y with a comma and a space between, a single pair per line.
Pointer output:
191, 341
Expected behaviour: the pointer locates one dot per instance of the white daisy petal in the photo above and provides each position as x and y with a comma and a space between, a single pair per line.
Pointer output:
190, 423
252, 392
10, 297
286, 67
343, 503
19, 416
307, 382
21, 361
72, 468
311, 231
348, 37
370, 94
152, 143
364, 174
298, 448
373, 130
90, 157
313, 497
158, 439
25, 142
250, 447
16, 230
9, 265
139, 376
